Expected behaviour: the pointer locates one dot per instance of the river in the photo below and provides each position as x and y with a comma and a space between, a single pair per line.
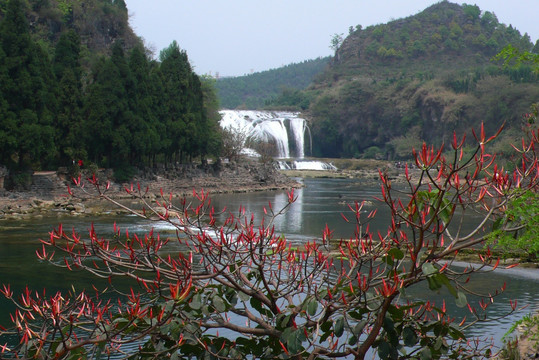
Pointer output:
320, 202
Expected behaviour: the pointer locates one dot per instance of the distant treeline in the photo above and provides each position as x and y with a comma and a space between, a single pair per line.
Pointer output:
260, 89
124, 109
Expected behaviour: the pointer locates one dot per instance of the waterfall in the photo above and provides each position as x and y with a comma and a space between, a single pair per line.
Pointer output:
269, 127
285, 131
297, 128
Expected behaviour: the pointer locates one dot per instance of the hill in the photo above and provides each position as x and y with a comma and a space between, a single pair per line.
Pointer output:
99, 23
390, 86
259, 89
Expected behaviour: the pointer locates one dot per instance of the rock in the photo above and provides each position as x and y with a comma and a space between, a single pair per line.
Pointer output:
80, 208
248, 175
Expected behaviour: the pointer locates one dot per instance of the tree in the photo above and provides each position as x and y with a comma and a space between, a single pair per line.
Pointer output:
107, 112
28, 91
143, 124
237, 290
181, 106
68, 122
521, 214
335, 44
472, 11
212, 142
512, 56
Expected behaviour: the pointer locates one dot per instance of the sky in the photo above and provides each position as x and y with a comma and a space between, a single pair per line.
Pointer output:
238, 37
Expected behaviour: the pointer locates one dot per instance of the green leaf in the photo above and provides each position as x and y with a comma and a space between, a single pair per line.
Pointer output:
219, 304
243, 296
312, 307
425, 354
433, 282
396, 312
497, 224
461, 300
409, 336
283, 321
339, 327
358, 329
326, 326
384, 350
294, 341
196, 302
442, 278
388, 325
428, 268
388, 260
455, 333
396, 253
446, 211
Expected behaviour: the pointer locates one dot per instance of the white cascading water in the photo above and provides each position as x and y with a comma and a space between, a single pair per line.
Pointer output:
297, 127
270, 126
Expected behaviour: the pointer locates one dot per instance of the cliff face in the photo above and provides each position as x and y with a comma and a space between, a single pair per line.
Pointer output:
99, 23
419, 78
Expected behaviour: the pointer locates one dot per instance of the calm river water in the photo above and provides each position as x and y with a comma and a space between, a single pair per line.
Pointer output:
321, 201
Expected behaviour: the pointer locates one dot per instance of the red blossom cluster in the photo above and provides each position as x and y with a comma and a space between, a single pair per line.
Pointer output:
229, 272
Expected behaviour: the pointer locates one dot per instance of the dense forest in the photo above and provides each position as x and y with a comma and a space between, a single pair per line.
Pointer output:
71, 96
391, 86
277, 86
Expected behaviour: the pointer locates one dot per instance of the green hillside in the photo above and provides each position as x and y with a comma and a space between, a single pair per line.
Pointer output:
99, 23
262, 88
393, 85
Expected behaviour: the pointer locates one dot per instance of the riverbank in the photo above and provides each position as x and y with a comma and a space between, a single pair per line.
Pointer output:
48, 193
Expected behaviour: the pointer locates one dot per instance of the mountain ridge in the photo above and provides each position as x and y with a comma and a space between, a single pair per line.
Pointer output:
392, 86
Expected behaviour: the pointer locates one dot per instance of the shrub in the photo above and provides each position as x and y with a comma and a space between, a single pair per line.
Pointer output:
235, 288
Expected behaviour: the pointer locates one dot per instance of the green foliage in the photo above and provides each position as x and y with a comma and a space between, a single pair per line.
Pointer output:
512, 56
20, 181
434, 70
527, 329
269, 88
57, 106
28, 91
124, 174
401, 145
472, 11
336, 42
522, 214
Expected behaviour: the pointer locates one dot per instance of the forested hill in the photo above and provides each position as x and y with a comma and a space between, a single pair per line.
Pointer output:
390, 86
99, 23
76, 84
257, 90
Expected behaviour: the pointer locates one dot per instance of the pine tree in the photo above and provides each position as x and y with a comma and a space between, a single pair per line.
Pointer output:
68, 124
175, 70
145, 138
28, 91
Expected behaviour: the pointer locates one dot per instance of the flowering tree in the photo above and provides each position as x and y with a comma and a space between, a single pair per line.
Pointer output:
236, 288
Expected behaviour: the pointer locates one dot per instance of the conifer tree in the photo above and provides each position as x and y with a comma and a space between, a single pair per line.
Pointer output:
67, 68
28, 90
175, 70
142, 124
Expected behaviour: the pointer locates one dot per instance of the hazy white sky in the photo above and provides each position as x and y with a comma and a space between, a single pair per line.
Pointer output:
236, 37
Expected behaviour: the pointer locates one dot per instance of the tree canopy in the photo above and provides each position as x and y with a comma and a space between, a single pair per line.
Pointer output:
56, 108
